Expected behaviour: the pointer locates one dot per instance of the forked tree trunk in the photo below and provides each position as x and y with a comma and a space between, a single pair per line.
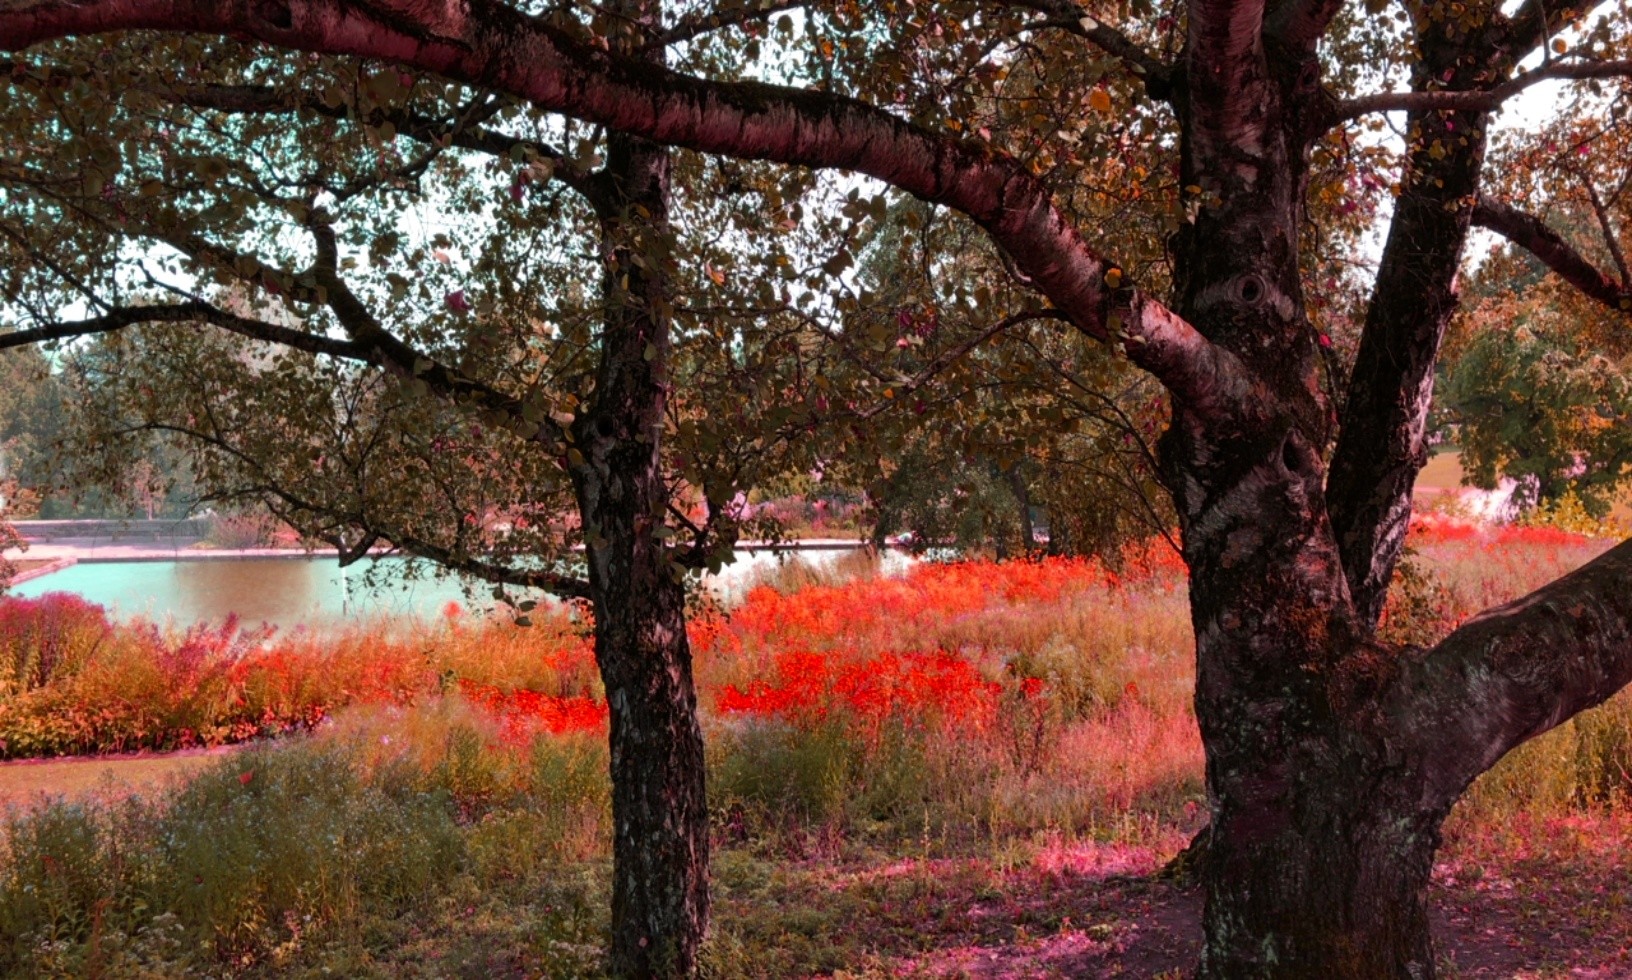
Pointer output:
660, 900
1319, 852
1332, 761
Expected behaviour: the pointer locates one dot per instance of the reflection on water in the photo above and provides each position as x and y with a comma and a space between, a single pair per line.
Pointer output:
286, 592
290, 592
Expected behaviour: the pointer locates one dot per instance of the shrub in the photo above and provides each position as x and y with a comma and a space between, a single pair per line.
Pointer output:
254, 858
242, 531
47, 639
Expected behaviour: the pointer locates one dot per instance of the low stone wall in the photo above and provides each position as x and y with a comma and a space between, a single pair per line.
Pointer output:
191, 529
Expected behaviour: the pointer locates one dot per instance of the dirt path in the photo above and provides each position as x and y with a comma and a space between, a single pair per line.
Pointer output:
1534, 918
27, 781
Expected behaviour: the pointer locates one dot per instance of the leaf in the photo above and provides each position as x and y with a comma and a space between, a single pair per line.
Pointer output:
1099, 100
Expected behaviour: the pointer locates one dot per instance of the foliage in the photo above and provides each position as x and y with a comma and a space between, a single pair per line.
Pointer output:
1543, 410
46, 639
9, 540
1567, 513
30, 417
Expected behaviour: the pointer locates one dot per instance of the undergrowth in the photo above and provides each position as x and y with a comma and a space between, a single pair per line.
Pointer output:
459, 824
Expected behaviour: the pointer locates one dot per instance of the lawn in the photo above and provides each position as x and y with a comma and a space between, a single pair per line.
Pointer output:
972, 770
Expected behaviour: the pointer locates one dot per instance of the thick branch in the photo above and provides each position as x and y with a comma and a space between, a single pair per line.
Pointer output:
496, 47
1532, 234
1514, 672
1381, 446
192, 312
1479, 100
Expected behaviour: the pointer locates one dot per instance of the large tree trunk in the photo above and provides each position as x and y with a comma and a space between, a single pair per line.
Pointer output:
1318, 858
660, 899
1322, 880
1331, 761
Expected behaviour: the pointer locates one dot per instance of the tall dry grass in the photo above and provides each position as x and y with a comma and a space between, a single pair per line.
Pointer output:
954, 708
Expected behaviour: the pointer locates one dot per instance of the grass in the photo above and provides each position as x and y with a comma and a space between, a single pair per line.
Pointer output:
919, 776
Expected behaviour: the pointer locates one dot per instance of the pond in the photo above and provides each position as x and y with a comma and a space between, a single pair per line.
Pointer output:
315, 591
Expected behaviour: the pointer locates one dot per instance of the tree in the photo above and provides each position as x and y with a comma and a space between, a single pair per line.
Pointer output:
1332, 759
1032, 420
564, 368
1531, 405
30, 418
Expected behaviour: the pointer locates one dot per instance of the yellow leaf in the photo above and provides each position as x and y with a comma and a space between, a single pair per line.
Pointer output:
1100, 100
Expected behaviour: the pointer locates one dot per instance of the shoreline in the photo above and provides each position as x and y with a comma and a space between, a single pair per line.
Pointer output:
64, 554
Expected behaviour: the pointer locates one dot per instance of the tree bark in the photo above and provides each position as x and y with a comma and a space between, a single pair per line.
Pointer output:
1317, 864
660, 898
1381, 447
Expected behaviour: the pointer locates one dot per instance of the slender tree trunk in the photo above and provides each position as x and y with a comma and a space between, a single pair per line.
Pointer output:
1022, 500
660, 900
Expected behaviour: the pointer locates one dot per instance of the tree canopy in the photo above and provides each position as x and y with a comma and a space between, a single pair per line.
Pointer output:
1184, 184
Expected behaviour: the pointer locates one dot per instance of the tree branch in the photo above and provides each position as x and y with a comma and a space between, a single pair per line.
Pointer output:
1605, 225
365, 329
1534, 236
1514, 672
497, 47
1536, 21
1381, 445
246, 99
196, 311
956, 353
566, 586
375, 344
1478, 100
1071, 16
691, 27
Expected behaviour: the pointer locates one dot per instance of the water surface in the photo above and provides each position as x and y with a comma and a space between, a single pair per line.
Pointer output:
311, 591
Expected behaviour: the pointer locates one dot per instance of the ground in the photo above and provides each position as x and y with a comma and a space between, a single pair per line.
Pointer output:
1541, 899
